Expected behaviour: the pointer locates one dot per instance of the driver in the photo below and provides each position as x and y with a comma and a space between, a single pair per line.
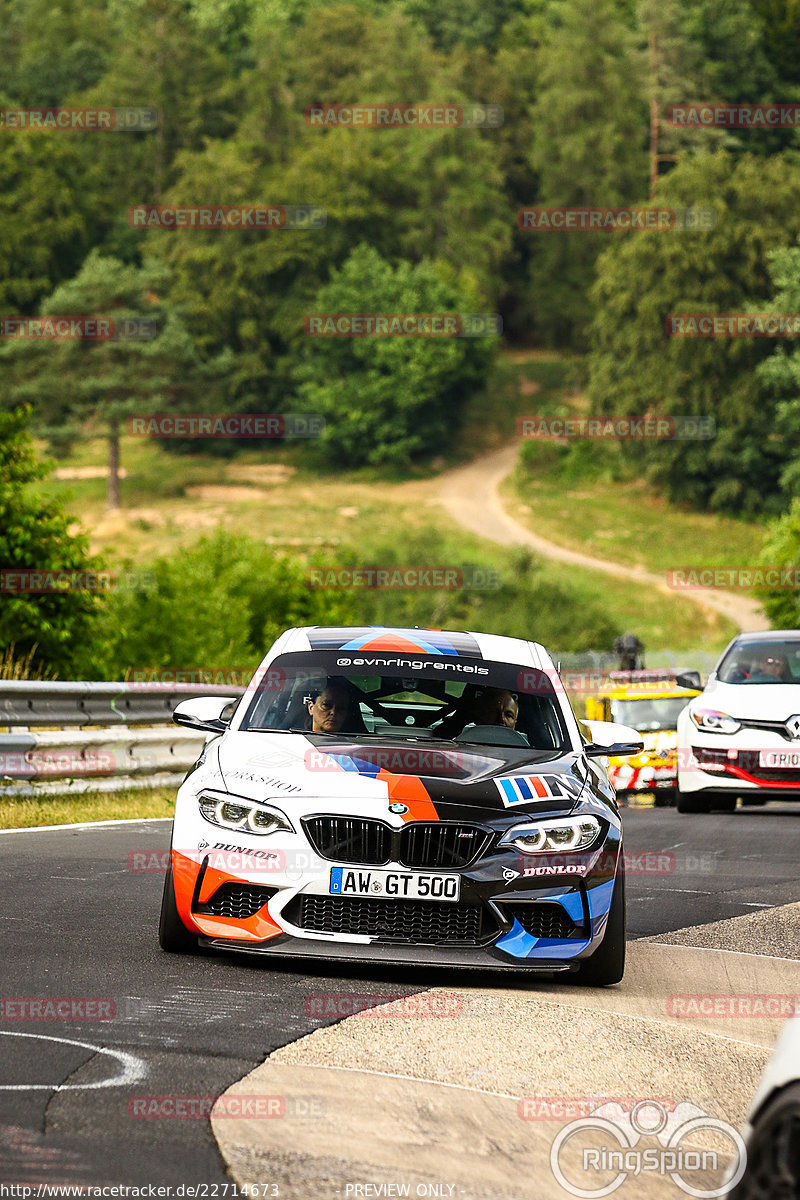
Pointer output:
768, 667
489, 706
328, 710
495, 706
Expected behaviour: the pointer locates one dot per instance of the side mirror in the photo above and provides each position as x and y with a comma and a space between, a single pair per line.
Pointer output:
689, 679
205, 712
610, 738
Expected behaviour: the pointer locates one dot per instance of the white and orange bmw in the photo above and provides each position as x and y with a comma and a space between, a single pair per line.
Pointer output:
401, 795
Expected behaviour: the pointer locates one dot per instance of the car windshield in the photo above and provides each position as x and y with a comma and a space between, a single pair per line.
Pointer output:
761, 662
649, 713
453, 699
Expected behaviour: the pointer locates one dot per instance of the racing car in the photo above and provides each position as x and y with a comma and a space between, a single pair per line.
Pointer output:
653, 709
405, 796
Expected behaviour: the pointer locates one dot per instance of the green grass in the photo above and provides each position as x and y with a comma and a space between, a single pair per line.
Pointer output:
272, 494
623, 520
587, 496
31, 811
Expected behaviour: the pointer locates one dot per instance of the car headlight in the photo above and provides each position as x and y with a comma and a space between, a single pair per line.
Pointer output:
233, 812
564, 833
711, 721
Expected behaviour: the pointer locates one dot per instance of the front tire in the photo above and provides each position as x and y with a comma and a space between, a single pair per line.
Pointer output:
607, 964
173, 936
773, 1160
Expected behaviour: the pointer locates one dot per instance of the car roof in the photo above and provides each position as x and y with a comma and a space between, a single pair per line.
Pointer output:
768, 635
417, 640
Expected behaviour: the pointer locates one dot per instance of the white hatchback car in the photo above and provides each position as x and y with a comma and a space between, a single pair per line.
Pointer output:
741, 736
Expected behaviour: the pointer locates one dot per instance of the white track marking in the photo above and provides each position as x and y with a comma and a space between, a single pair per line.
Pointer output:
133, 1068
87, 825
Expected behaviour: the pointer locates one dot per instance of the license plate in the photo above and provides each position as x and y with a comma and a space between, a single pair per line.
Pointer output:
391, 885
779, 758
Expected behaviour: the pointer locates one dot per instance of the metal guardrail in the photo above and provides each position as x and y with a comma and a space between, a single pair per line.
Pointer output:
28, 703
133, 742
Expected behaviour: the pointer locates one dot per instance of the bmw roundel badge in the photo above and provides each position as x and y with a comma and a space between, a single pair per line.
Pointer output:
398, 809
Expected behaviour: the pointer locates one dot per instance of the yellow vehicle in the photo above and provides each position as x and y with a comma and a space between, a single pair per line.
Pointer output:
652, 709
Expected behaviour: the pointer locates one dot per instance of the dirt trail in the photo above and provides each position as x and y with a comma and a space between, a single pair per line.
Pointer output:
470, 494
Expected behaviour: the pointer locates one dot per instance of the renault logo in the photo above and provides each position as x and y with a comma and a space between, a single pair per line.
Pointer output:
793, 726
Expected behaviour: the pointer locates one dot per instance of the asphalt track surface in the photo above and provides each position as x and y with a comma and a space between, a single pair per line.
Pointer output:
78, 922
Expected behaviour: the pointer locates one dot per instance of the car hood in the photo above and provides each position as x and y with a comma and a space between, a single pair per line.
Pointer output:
754, 701
364, 774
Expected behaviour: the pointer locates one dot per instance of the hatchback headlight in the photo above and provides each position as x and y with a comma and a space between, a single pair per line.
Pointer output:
711, 721
543, 837
233, 812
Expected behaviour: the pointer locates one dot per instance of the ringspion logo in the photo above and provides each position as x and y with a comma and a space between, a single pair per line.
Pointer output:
595, 1154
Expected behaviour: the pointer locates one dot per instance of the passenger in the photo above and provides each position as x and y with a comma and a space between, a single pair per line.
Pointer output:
328, 710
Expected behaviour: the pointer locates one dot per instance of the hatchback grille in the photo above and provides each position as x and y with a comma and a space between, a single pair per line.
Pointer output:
236, 900
414, 921
542, 920
746, 760
423, 845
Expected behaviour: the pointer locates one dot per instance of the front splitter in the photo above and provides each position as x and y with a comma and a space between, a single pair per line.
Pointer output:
472, 958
